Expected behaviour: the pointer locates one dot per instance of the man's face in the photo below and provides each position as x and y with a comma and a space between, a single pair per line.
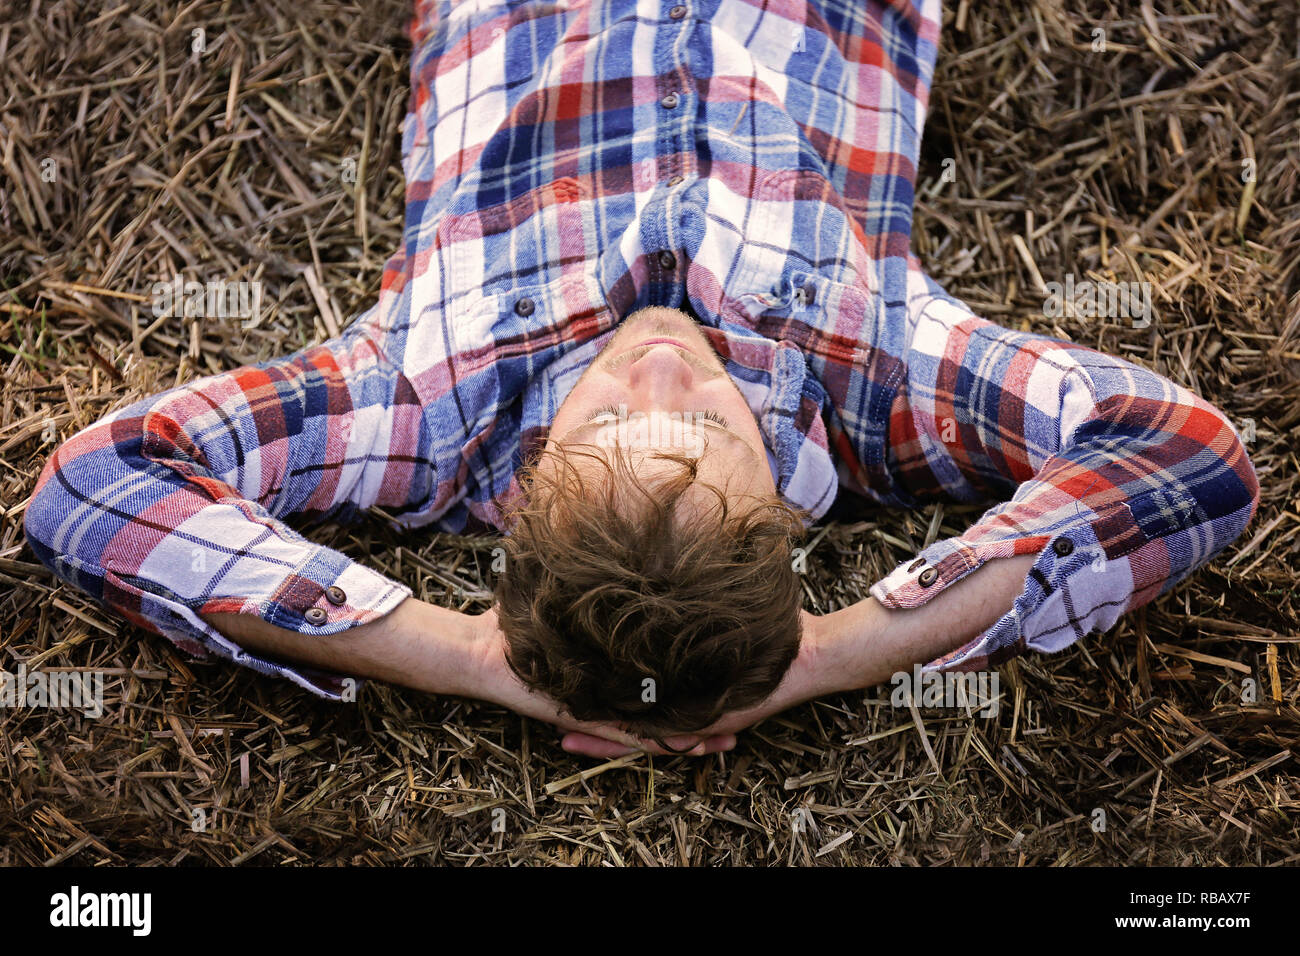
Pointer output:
659, 387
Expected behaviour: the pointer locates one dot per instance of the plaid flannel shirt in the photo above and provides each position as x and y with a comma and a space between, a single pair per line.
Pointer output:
568, 162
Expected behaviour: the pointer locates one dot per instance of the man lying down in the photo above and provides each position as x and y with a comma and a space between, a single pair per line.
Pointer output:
654, 310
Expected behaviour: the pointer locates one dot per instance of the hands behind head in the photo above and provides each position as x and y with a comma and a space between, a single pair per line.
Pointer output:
496, 682
802, 682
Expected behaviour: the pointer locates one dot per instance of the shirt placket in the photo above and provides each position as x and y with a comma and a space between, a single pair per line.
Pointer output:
676, 106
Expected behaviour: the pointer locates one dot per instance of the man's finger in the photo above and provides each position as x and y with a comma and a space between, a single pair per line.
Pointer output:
707, 745
591, 746
683, 744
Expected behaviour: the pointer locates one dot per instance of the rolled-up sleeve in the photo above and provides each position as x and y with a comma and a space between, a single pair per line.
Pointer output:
1121, 481
173, 507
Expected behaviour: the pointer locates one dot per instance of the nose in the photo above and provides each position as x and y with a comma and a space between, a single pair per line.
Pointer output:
660, 376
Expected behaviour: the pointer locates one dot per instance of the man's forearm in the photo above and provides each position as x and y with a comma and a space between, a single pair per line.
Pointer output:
417, 645
862, 645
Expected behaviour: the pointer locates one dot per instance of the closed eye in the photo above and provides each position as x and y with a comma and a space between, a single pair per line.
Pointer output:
613, 411
713, 417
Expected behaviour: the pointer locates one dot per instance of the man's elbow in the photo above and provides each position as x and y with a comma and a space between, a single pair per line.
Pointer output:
65, 494
47, 510
1233, 497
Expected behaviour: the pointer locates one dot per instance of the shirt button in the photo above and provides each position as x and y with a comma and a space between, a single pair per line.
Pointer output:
335, 595
677, 12
1063, 547
918, 563
667, 261
670, 101
806, 295
315, 615
525, 307
927, 577
676, 180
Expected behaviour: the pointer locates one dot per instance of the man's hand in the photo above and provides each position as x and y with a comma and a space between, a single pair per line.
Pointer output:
439, 651
863, 644
807, 678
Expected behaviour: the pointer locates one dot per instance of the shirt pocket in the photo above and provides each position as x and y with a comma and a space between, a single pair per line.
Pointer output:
532, 239
798, 281
799, 223
801, 286
502, 350
512, 336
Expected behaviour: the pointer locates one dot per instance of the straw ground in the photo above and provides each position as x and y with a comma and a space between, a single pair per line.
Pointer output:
1052, 149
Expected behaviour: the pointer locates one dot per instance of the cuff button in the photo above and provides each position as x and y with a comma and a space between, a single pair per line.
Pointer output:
1063, 547
315, 615
335, 595
927, 577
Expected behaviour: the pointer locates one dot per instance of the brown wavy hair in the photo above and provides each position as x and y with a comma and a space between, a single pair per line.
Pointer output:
613, 581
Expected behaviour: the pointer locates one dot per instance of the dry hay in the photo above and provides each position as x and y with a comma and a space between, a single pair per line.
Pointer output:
1124, 165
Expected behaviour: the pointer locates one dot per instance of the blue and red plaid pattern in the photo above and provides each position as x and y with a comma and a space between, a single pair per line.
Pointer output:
567, 163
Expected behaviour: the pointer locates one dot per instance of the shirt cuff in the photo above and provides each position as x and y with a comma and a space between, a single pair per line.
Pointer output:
1073, 588
326, 594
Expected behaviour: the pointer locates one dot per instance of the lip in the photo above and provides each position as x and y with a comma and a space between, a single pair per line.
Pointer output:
661, 340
